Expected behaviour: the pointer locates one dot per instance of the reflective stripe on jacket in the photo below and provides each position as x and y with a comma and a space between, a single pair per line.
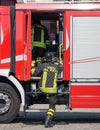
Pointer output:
48, 81
39, 36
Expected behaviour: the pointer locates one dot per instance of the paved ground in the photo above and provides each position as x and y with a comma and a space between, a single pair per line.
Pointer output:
78, 119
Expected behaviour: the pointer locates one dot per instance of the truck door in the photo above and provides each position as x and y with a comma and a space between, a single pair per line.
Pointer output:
82, 55
5, 37
66, 48
23, 45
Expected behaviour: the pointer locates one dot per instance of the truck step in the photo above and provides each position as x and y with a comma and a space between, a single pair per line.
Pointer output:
38, 78
39, 92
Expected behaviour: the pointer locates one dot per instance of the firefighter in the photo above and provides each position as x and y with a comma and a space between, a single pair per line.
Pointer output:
48, 84
40, 39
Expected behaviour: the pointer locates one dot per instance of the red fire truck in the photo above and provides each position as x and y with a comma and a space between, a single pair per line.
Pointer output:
77, 46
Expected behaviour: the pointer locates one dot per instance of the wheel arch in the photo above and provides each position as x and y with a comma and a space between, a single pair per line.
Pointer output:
13, 82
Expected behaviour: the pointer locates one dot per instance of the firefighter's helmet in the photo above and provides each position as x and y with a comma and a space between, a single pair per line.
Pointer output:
48, 57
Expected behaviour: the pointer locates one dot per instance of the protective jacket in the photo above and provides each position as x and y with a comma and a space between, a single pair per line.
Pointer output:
40, 36
49, 73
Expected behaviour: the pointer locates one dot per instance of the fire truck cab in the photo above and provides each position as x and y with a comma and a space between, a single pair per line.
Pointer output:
74, 30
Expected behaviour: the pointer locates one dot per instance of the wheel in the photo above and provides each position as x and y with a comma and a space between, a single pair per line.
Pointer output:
9, 103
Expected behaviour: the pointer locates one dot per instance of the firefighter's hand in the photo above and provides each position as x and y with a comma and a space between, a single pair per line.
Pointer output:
33, 63
32, 71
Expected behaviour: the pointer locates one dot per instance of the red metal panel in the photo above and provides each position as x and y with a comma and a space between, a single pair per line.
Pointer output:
4, 10
81, 95
55, 6
29, 47
67, 29
85, 95
4, 37
23, 45
66, 47
20, 24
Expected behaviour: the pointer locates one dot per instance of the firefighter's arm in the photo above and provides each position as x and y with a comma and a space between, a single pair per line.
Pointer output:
32, 71
36, 71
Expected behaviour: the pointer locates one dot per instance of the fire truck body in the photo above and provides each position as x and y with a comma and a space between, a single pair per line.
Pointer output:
79, 34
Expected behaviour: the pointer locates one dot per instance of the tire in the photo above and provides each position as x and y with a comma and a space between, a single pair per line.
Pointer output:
9, 103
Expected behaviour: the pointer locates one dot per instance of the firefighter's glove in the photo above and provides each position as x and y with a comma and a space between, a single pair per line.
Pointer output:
33, 63
44, 59
61, 62
32, 71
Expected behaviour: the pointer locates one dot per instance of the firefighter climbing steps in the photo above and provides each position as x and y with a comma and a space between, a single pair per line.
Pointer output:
74, 30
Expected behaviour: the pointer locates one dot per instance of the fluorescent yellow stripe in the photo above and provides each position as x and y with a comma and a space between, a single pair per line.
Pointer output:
44, 78
55, 79
40, 43
42, 36
50, 113
51, 110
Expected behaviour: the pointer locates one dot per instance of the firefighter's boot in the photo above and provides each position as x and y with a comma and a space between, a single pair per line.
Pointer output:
48, 121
